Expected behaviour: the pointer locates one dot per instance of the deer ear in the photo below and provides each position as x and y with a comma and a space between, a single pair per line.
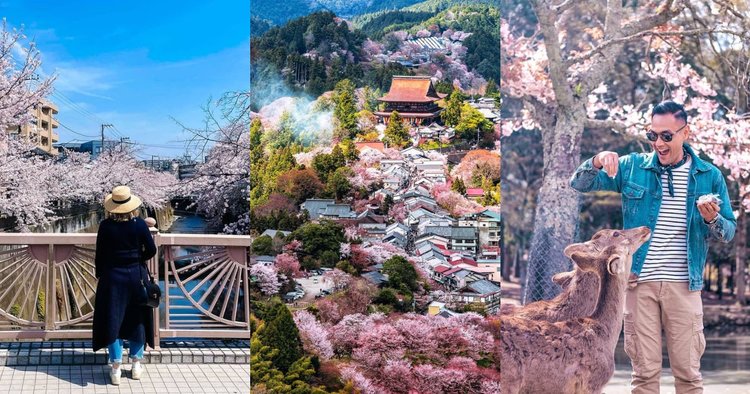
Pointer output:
615, 265
572, 249
563, 279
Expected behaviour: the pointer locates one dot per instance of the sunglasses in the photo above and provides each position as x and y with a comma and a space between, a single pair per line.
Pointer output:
665, 136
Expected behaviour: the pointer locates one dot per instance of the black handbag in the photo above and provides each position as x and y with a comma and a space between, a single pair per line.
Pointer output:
152, 291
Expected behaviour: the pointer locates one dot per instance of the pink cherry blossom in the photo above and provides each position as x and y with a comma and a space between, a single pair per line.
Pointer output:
314, 335
267, 278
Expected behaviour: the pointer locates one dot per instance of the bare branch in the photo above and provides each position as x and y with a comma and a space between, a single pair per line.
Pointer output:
558, 70
564, 6
622, 40
604, 124
665, 14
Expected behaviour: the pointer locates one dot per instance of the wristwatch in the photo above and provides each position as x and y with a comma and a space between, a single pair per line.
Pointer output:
712, 221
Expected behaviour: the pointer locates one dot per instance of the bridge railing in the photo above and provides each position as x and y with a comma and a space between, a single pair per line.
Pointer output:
48, 286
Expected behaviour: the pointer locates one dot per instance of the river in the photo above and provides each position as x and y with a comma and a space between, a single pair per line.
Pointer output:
186, 223
725, 365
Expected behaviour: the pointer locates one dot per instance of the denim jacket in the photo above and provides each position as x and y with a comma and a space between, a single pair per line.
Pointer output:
639, 183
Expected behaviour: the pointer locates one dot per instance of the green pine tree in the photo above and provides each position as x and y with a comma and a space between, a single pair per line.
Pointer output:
338, 184
263, 373
458, 186
350, 150
401, 273
345, 109
492, 89
451, 115
280, 333
396, 134
472, 121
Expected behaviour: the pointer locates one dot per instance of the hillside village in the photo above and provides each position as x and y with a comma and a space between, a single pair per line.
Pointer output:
375, 198
460, 251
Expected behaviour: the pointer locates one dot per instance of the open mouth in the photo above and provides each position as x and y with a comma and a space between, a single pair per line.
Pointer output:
663, 152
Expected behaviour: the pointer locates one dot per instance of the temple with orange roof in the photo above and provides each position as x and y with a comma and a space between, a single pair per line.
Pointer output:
414, 98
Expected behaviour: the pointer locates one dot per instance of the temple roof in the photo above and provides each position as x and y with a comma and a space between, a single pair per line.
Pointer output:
412, 89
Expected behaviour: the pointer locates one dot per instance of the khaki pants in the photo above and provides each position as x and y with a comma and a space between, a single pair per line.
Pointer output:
651, 307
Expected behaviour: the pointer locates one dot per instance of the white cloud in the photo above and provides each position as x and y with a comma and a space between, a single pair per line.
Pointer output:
89, 81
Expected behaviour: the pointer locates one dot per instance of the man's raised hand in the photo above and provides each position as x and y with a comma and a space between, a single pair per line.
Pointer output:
608, 161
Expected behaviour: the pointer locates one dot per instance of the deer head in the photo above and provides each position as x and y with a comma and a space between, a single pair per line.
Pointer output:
608, 249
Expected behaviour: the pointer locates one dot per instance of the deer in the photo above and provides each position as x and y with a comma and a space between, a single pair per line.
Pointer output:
575, 355
578, 298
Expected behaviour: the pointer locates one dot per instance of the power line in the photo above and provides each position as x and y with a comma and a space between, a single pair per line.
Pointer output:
63, 99
75, 132
159, 146
76, 107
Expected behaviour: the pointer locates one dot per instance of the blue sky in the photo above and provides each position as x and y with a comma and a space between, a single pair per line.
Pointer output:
135, 64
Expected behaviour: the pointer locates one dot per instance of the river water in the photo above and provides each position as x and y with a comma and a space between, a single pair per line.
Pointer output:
188, 224
725, 365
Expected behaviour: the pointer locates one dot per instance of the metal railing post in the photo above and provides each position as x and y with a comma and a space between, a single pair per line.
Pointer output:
51, 292
153, 267
246, 288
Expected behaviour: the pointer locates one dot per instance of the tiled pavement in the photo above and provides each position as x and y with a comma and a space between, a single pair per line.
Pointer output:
79, 352
207, 366
158, 378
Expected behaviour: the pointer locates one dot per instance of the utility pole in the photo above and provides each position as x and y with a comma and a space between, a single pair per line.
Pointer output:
122, 142
103, 126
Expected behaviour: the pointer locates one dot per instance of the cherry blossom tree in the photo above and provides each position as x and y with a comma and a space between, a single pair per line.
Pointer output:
371, 49
306, 158
23, 181
222, 184
477, 164
31, 186
455, 203
314, 335
354, 299
337, 279
20, 86
424, 33
288, 264
328, 310
553, 73
398, 212
413, 353
267, 278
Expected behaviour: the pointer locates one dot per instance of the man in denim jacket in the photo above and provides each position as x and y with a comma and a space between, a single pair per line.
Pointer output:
662, 190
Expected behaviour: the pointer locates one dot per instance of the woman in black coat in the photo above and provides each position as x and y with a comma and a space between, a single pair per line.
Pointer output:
123, 244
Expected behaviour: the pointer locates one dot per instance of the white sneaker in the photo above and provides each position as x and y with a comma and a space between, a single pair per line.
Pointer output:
137, 370
114, 375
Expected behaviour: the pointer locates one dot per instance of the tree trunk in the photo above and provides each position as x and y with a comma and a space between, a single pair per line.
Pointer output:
720, 283
518, 257
558, 205
504, 263
740, 260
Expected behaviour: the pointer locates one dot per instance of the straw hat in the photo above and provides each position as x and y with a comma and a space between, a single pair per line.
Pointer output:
121, 200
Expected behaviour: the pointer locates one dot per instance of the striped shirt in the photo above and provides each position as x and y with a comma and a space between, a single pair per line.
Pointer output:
666, 259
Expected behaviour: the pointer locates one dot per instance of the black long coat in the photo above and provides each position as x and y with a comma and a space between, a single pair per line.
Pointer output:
122, 249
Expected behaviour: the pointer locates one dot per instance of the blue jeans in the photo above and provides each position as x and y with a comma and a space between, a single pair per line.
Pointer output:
115, 351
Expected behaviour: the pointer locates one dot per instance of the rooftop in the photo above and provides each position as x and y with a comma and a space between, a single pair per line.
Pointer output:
378, 146
412, 89
483, 287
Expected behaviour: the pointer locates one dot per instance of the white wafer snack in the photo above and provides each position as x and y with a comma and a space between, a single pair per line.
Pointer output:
707, 198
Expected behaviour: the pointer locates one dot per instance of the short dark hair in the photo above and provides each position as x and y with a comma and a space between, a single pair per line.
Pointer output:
670, 107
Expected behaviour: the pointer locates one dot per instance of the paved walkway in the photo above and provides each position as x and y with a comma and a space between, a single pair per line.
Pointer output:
158, 378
